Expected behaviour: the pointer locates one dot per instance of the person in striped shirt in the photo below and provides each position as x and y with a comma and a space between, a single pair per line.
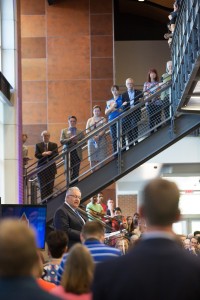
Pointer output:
92, 236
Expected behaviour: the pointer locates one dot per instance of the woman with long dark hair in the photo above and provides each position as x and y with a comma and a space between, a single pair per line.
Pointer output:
154, 106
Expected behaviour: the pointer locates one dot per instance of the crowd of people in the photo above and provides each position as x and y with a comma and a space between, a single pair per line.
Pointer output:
81, 266
172, 21
98, 147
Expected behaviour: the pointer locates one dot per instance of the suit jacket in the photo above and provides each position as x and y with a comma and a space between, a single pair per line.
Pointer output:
158, 269
40, 148
67, 220
22, 288
125, 98
66, 142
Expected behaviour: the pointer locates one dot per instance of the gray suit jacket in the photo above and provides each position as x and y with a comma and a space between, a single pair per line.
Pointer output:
66, 142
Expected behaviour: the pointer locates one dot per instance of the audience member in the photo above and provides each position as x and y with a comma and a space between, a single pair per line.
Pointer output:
130, 123
97, 144
123, 245
109, 212
154, 106
130, 226
196, 233
92, 236
186, 244
94, 210
134, 240
100, 200
45, 152
118, 221
37, 273
114, 108
194, 246
68, 218
69, 137
18, 257
136, 218
78, 275
157, 250
25, 149
57, 243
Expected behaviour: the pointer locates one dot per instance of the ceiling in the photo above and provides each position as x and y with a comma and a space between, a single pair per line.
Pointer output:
145, 20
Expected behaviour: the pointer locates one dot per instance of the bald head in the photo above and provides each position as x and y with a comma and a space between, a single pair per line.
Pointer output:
160, 202
18, 252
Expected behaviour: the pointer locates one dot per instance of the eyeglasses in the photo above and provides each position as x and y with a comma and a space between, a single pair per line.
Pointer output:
75, 196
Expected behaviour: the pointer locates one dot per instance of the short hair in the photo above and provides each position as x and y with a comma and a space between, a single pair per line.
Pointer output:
79, 270
152, 71
130, 79
24, 134
196, 232
160, 202
114, 86
117, 209
92, 229
45, 132
18, 251
57, 241
72, 117
136, 214
97, 106
71, 189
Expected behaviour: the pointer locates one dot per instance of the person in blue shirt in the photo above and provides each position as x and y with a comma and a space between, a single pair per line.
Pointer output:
92, 236
114, 108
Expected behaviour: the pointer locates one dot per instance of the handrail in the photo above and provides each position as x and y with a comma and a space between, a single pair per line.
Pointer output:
62, 178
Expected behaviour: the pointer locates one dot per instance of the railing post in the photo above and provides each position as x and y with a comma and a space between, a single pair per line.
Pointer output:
68, 165
33, 190
119, 144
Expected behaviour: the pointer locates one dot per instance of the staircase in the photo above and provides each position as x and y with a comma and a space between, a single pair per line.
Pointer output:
167, 130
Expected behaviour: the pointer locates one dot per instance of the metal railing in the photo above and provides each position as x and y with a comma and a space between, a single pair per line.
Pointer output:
185, 47
116, 136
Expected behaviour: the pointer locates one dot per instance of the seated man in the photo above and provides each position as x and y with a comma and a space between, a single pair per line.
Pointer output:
57, 243
118, 221
92, 236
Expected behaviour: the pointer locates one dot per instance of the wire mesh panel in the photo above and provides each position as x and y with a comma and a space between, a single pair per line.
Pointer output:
79, 157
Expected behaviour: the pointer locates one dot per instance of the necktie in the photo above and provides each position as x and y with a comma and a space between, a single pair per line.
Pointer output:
46, 147
83, 221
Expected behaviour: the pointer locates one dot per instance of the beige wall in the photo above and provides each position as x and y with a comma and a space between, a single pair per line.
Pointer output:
67, 63
135, 58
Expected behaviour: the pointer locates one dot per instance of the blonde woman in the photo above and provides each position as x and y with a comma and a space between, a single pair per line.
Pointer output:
97, 144
78, 275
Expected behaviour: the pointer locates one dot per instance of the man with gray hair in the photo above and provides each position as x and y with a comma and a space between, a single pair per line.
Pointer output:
18, 258
68, 218
158, 267
44, 152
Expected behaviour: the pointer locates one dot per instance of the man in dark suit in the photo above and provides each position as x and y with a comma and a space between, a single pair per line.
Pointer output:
68, 218
130, 123
158, 267
18, 260
46, 151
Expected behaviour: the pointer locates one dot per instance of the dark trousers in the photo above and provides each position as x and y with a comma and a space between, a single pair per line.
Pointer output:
130, 127
166, 107
74, 165
154, 113
113, 133
46, 181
